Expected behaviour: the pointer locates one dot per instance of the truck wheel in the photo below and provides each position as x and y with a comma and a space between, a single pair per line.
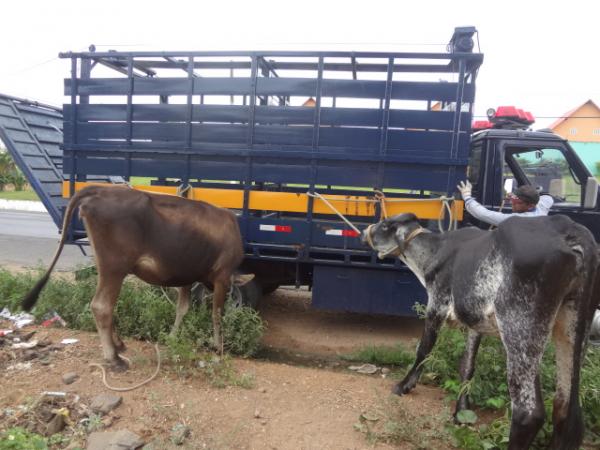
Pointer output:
247, 295
267, 288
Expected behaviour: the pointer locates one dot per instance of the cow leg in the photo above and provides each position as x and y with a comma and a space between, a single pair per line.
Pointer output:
183, 305
566, 414
103, 305
219, 293
524, 343
117, 341
467, 368
434, 319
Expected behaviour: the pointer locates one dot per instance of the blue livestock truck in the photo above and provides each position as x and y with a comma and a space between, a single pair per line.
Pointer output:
293, 142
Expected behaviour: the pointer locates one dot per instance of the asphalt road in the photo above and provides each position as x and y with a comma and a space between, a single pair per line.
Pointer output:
30, 239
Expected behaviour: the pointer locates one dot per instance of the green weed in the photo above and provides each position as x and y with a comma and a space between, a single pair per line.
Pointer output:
142, 312
390, 422
488, 388
384, 355
18, 438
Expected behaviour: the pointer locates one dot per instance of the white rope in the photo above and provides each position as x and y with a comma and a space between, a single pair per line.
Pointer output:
447, 208
324, 200
130, 388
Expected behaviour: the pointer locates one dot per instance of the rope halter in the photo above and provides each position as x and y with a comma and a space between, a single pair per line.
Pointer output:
394, 251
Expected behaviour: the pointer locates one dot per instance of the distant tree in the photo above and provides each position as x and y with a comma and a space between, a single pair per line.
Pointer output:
10, 173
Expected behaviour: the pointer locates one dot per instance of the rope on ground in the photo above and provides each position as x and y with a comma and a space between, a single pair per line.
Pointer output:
130, 388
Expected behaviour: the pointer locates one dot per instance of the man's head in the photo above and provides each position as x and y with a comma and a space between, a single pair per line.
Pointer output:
524, 198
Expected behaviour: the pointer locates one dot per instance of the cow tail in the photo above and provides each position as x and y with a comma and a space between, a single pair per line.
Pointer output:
31, 298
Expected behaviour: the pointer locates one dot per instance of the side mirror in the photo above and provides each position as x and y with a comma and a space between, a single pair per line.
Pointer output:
591, 193
508, 185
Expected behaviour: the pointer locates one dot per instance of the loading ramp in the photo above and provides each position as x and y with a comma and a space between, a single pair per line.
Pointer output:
32, 133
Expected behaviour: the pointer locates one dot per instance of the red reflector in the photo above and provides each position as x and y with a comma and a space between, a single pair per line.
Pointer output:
276, 228
350, 233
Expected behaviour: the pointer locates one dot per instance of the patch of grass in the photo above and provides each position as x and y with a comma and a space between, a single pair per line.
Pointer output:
143, 312
221, 373
384, 355
28, 194
392, 423
488, 388
18, 438
140, 181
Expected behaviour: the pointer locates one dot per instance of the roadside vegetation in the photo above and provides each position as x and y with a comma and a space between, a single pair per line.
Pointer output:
488, 391
10, 175
143, 312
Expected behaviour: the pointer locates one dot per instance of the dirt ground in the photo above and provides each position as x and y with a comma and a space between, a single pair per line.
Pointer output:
292, 405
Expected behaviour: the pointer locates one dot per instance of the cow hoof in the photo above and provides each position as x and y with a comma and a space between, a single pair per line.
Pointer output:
119, 365
401, 389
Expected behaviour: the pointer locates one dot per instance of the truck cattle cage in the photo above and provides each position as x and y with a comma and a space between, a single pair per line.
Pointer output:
287, 140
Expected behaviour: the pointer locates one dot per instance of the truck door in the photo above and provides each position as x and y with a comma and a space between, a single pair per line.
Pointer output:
554, 169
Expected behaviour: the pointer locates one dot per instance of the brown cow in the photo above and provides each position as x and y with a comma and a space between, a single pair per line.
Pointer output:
163, 240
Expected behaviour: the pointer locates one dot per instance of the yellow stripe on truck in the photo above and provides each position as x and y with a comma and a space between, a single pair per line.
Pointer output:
348, 205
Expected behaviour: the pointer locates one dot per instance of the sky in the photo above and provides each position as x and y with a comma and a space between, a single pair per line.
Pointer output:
542, 56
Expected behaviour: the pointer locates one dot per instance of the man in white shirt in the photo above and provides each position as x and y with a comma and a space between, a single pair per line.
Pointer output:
526, 202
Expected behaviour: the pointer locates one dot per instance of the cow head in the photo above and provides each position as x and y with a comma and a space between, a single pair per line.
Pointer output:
390, 236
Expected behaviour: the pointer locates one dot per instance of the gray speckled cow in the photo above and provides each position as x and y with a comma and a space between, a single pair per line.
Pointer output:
530, 278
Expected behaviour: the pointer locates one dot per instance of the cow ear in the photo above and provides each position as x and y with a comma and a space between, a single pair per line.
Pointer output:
240, 279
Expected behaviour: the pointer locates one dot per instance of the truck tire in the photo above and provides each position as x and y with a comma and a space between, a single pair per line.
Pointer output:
268, 288
247, 295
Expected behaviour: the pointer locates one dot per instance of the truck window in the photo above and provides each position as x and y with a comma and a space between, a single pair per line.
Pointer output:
547, 169
474, 164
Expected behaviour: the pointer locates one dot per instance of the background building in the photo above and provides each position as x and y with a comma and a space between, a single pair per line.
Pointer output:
581, 126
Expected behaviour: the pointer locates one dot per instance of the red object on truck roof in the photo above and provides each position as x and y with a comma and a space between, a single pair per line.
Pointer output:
506, 112
514, 113
505, 117
482, 125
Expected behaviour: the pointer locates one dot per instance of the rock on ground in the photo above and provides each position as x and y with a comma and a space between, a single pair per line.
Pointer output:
105, 403
69, 377
114, 440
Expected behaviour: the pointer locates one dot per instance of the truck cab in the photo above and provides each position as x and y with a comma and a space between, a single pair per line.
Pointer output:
502, 159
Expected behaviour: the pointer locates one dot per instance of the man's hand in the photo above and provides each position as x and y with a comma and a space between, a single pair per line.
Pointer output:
465, 189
